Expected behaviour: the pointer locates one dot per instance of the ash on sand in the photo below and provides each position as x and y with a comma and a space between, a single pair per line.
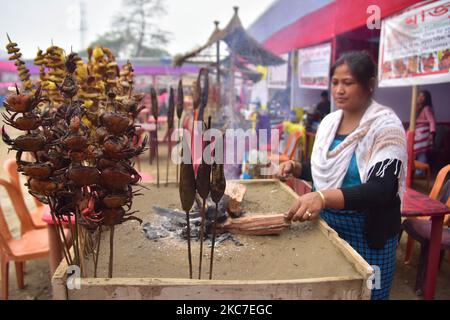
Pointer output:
298, 253
172, 223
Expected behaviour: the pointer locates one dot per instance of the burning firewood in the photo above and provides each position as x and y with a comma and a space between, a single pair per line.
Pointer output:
256, 224
236, 193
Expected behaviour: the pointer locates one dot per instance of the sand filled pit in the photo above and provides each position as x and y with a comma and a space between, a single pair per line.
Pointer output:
301, 253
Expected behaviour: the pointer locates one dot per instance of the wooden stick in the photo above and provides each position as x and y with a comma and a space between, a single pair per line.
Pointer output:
213, 242
111, 250
66, 243
157, 158
169, 150
177, 174
189, 244
60, 244
202, 232
99, 237
77, 239
72, 233
62, 238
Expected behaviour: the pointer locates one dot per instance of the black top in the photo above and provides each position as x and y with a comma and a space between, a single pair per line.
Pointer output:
323, 108
377, 198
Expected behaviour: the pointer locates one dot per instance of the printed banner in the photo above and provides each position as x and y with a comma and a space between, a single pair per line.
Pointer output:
415, 46
314, 66
277, 75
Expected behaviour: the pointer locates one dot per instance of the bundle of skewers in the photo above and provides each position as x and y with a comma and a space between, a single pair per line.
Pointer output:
79, 123
209, 181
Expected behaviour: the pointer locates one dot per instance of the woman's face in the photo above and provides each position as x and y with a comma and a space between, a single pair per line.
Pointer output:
348, 93
421, 98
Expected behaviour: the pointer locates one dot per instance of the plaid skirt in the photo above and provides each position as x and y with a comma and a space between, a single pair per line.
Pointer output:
350, 226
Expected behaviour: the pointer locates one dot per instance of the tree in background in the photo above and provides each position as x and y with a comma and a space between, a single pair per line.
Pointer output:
135, 32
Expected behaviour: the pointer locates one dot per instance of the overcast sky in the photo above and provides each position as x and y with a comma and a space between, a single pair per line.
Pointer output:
34, 23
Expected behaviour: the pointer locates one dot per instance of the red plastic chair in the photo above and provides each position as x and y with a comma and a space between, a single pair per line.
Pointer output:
32, 244
440, 179
420, 230
425, 167
10, 167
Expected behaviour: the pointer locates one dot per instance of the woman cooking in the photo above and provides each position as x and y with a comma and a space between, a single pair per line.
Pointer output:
357, 168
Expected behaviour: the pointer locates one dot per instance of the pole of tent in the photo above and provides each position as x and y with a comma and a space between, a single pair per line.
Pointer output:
410, 137
217, 55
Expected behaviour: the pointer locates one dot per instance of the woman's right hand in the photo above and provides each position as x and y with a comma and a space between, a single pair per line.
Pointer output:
289, 169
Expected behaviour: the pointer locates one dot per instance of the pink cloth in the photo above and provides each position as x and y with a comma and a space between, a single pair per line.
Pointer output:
162, 98
426, 116
425, 125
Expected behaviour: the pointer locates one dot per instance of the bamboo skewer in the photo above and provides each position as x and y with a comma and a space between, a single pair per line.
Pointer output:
170, 116
111, 251
189, 243
59, 237
180, 107
154, 100
218, 186
187, 189
99, 237
213, 242
203, 184
202, 234
73, 234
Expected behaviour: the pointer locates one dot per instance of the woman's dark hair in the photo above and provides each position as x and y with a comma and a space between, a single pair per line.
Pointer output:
361, 65
428, 102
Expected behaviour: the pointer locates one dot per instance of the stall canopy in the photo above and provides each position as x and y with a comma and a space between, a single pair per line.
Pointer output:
280, 14
240, 66
239, 42
320, 22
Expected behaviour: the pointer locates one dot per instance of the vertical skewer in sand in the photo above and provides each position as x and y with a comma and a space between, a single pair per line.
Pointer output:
218, 185
170, 116
204, 170
180, 107
155, 113
187, 190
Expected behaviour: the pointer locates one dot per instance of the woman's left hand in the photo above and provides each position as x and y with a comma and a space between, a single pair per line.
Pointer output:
306, 208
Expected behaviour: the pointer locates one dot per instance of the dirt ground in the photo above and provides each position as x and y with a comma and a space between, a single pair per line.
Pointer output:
37, 276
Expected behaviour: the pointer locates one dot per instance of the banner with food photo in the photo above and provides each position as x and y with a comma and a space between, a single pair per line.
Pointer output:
314, 66
277, 75
415, 46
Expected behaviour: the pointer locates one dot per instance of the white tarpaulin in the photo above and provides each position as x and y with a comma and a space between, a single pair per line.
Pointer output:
415, 46
314, 66
277, 75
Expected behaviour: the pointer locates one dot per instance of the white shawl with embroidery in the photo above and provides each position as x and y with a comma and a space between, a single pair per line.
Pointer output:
380, 137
